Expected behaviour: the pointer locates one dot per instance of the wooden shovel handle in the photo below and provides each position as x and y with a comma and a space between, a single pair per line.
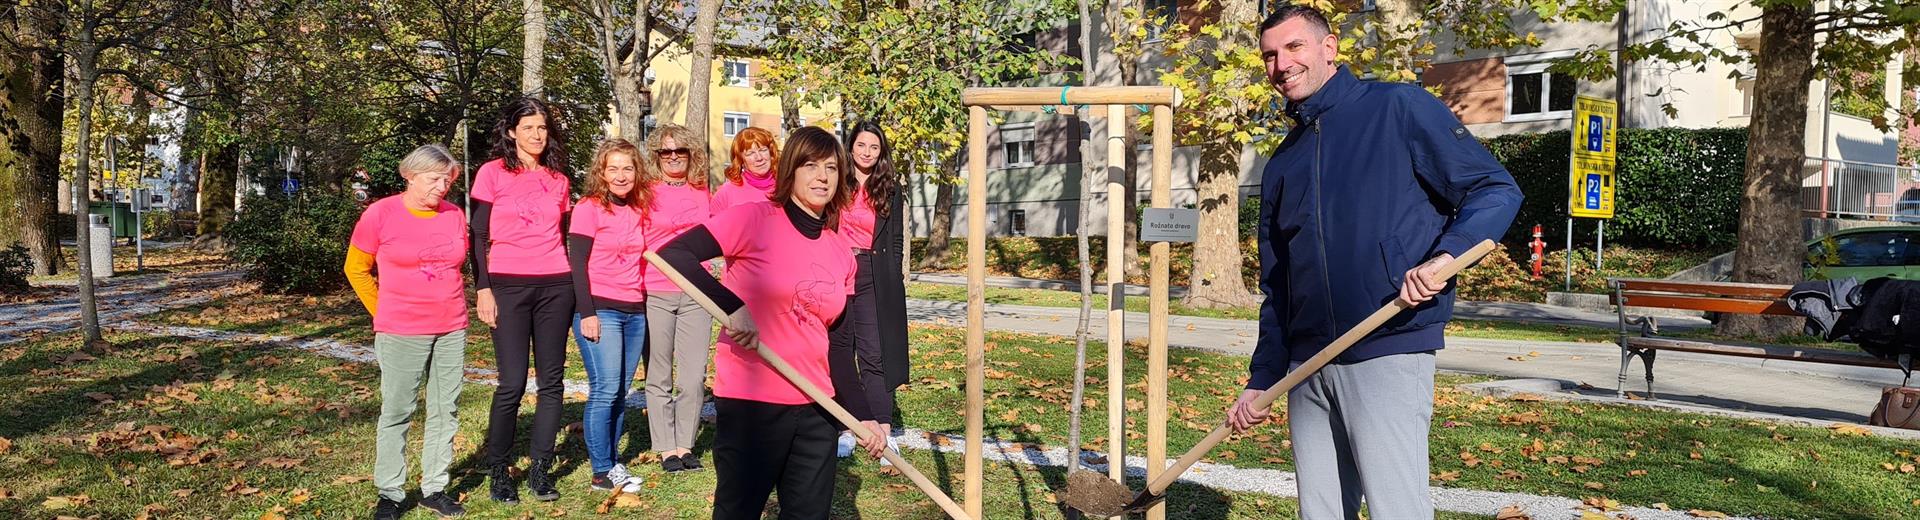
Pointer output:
813, 392
1219, 433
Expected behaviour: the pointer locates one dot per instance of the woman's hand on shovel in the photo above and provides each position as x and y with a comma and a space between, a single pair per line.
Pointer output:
740, 327
875, 443
1243, 414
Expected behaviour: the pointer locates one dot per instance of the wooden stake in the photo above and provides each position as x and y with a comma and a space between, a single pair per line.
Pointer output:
1040, 96
1116, 292
976, 304
1157, 307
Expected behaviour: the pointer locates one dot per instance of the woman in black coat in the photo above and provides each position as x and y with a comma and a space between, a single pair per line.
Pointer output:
875, 334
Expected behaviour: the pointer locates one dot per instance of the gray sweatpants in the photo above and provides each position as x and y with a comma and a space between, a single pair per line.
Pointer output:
679, 334
405, 361
1361, 429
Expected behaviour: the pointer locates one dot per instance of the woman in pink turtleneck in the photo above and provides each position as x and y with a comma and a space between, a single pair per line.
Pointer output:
750, 174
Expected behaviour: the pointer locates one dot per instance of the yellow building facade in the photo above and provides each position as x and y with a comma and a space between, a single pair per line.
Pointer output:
734, 102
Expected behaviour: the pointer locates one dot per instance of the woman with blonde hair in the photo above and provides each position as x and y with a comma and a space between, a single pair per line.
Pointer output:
605, 241
418, 242
678, 330
750, 173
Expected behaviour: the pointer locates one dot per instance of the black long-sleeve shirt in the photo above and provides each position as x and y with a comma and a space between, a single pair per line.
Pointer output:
686, 252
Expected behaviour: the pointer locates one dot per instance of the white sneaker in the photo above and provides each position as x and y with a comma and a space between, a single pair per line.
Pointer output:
846, 444
891, 446
618, 477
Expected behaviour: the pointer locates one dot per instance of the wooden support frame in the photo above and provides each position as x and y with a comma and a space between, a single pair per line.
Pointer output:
1117, 101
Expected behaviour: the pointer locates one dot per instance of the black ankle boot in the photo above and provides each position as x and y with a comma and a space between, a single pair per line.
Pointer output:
500, 485
541, 483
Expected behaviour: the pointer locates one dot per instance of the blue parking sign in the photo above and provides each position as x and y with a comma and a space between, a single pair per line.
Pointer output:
1593, 191
1596, 133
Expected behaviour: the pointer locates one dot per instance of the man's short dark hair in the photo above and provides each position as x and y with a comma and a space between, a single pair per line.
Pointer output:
1290, 11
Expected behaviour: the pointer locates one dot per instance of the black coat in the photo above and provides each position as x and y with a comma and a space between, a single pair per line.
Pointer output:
890, 290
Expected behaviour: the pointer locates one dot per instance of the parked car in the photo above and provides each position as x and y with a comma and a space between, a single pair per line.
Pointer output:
1866, 253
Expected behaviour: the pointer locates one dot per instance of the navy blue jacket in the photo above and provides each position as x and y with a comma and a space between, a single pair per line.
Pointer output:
1372, 180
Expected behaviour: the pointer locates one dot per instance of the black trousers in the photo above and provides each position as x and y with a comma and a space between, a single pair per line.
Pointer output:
759, 447
533, 319
858, 338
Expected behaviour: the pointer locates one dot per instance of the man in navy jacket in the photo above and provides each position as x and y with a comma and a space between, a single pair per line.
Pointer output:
1375, 187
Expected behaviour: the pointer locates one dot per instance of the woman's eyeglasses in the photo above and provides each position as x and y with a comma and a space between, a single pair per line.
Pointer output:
670, 152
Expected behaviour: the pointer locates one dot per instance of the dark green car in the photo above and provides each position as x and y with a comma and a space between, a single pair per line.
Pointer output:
1866, 253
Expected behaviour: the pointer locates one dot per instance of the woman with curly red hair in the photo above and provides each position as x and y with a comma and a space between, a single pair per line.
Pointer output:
750, 174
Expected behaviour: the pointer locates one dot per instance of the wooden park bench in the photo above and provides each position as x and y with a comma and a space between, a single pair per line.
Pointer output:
1718, 297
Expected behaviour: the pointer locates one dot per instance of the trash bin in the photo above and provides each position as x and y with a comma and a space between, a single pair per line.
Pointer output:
100, 246
122, 219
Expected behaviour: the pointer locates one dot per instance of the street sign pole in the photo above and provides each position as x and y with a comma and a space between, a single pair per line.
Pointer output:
1599, 246
1591, 184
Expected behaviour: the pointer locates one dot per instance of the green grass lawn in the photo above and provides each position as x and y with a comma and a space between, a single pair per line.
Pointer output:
1630, 455
174, 427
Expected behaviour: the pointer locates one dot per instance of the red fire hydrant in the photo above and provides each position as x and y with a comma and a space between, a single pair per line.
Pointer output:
1539, 251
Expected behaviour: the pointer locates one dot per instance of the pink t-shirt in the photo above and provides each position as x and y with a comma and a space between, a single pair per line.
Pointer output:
675, 210
619, 239
856, 221
793, 286
419, 261
730, 195
524, 231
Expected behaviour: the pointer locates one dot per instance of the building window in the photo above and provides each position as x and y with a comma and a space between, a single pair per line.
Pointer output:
1017, 142
1170, 9
735, 122
735, 72
1535, 94
1017, 222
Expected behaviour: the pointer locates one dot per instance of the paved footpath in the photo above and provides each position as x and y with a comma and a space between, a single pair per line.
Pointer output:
1786, 388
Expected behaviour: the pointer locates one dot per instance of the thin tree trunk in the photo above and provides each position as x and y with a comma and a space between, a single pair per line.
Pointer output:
85, 76
701, 80
940, 230
1082, 249
1769, 214
534, 48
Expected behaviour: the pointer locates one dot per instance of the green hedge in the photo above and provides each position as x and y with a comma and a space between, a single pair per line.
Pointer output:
1677, 187
294, 245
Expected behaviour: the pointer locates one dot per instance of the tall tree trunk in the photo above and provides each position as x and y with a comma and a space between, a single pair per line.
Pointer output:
1396, 22
701, 80
626, 64
1216, 279
34, 110
1776, 154
534, 48
940, 230
218, 178
85, 75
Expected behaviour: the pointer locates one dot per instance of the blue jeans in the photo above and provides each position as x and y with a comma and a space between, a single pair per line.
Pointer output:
610, 363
